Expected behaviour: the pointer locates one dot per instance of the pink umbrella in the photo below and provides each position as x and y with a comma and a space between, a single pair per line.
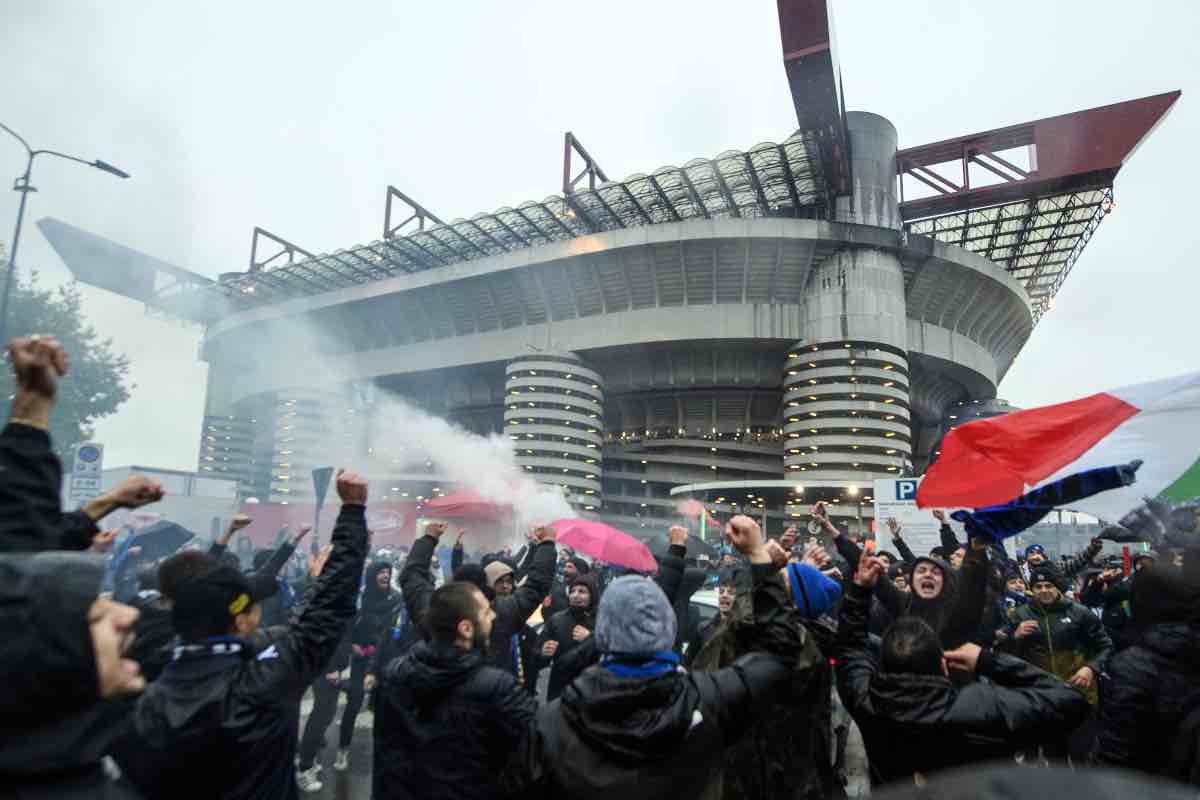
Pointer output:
605, 543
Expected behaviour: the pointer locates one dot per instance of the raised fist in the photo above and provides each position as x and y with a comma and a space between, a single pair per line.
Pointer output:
136, 491
38, 362
677, 535
779, 556
788, 540
351, 488
743, 534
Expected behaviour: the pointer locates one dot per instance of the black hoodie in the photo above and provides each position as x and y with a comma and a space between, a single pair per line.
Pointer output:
957, 611
1151, 711
375, 610
54, 729
560, 628
455, 724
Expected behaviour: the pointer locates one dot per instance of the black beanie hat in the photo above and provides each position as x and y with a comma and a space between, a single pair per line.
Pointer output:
1045, 572
581, 566
1161, 593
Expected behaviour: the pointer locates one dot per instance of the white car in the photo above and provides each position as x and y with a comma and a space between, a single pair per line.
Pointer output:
705, 604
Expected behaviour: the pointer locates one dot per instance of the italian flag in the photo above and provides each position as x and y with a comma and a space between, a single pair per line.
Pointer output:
992, 461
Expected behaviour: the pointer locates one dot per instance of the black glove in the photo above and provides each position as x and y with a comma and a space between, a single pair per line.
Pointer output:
1127, 473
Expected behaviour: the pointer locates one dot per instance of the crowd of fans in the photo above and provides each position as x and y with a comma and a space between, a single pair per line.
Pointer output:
184, 676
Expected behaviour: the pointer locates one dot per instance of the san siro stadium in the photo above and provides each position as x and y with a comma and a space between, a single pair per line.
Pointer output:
758, 329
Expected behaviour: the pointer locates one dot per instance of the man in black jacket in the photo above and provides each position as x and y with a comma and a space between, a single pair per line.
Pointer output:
221, 721
638, 726
31, 516
914, 720
512, 601
1150, 717
456, 719
563, 632
512, 607
62, 673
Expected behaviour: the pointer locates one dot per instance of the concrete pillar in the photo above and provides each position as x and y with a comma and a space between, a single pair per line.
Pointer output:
554, 413
846, 384
874, 200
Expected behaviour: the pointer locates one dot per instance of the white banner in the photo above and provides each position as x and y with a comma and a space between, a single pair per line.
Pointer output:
896, 498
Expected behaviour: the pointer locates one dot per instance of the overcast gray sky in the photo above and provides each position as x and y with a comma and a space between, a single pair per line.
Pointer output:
295, 116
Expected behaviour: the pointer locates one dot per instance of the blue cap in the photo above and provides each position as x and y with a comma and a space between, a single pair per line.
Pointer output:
813, 593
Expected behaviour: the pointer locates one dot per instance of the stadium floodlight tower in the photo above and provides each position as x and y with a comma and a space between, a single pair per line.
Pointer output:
758, 330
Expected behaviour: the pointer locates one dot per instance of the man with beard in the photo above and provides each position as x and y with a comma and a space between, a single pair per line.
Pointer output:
374, 612
456, 719
913, 718
564, 631
512, 605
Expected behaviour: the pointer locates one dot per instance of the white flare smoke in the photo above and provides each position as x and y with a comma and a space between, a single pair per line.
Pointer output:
486, 465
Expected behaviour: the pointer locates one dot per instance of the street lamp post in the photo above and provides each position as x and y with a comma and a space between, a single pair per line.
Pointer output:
23, 186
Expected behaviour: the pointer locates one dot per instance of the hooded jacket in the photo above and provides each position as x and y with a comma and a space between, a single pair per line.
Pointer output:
54, 728
1069, 636
955, 614
455, 722
1150, 718
504, 647
610, 736
374, 610
224, 724
560, 628
924, 723
560, 588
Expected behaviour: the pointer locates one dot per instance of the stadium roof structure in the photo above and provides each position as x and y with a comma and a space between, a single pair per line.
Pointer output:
1033, 220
